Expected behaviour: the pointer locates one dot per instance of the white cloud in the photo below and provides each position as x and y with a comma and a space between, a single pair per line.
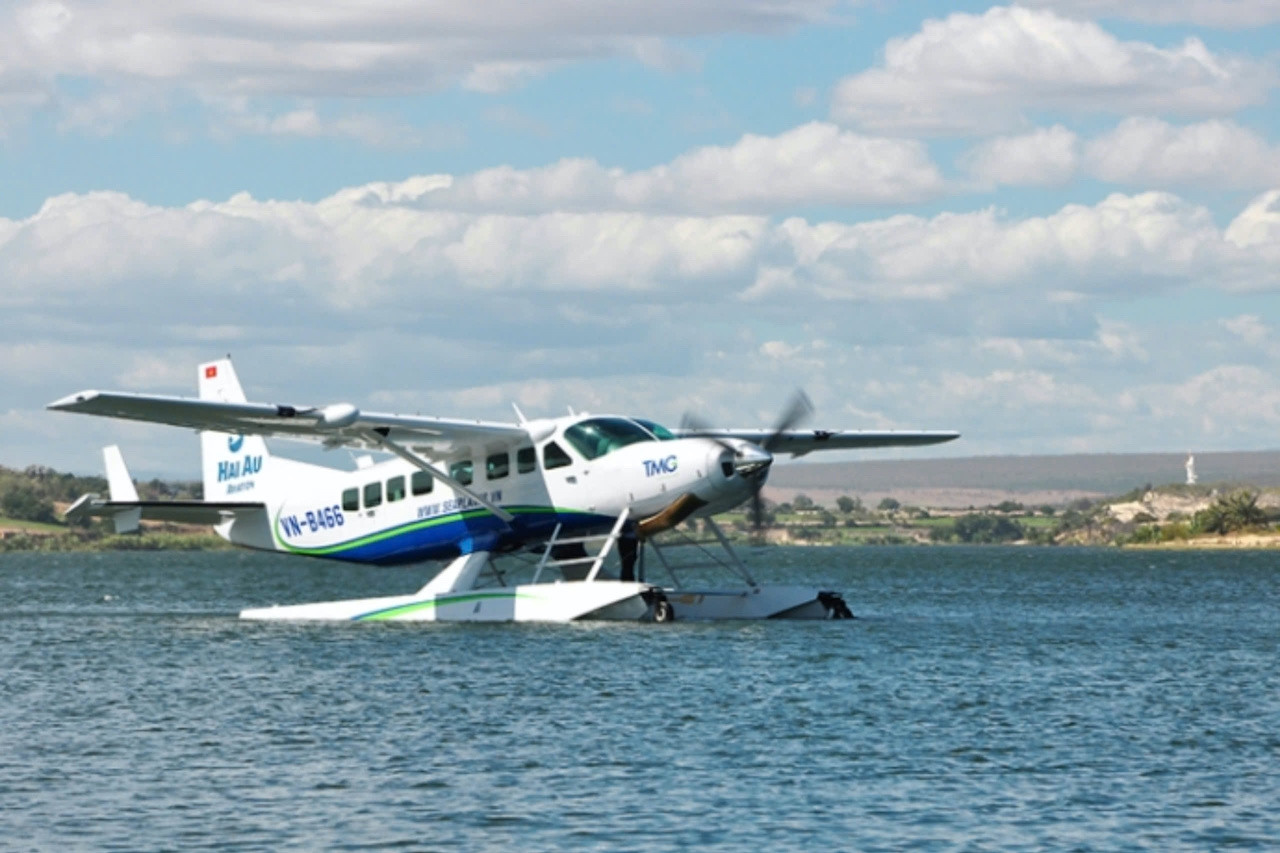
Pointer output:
1257, 228
373, 258
813, 163
1140, 151
1226, 403
367, 295
375, 48
369, 244
1213, 13
236, 116
982, 74
1044, 157
816, 163
1150, 152
1248, 328
1128, 244
778, 349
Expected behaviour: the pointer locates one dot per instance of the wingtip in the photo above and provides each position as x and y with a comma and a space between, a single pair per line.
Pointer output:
72, 400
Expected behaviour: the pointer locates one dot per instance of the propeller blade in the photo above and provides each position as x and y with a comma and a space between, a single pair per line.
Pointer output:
798, 409
693, 426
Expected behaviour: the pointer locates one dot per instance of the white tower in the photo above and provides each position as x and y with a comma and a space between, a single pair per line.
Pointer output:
1191, 470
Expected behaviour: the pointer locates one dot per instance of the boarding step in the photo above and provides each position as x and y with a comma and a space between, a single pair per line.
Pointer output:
681, 553
577, 552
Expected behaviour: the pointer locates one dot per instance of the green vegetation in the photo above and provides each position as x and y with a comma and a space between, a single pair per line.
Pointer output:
979, 529
1081, 522
32, 500
27, 526
98, 540
1235, 512
1230, 513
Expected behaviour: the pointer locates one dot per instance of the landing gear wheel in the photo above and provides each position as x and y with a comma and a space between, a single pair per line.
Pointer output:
663, 611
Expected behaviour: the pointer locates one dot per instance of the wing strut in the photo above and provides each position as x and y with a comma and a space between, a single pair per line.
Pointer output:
417, 461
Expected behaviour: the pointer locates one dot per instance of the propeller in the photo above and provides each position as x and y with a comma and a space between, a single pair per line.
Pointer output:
798, 408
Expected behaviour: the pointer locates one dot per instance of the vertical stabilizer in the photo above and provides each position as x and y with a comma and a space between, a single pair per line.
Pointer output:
234, 467
122, 490
119, 483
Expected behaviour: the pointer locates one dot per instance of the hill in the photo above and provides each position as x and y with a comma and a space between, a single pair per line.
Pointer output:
984, 480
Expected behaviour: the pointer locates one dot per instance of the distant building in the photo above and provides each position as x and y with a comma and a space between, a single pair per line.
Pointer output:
1191, 470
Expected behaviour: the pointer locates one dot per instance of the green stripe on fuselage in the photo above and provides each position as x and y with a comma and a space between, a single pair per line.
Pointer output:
411, 527
432, 603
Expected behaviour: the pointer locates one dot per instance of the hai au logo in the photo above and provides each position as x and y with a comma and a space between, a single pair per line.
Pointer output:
234, 469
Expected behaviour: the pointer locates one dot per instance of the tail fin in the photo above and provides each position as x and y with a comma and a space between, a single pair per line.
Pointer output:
121, 488
233, 466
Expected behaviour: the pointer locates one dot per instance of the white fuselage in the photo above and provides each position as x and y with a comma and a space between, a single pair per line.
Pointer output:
394, 512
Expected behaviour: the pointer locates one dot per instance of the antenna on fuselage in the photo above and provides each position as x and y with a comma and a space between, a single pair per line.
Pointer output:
520, 418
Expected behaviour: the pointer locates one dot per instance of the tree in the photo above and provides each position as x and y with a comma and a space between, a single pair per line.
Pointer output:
1229, 513
802, 502
984, 529
848, 505
888, 505
22, 502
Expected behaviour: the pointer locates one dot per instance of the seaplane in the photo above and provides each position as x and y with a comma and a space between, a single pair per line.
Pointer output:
540, 520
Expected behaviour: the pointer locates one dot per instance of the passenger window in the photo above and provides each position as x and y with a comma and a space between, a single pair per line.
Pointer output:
395, 489
351, 500
421, 482
526, 460
461, 471
372, 495
497, 466
554, 457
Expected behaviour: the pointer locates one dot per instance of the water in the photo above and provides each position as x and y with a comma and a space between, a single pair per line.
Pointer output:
986, 699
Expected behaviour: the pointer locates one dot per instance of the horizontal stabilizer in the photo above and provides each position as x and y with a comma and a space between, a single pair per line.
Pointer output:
178, 512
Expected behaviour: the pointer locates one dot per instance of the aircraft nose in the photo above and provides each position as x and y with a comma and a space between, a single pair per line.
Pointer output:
750, 460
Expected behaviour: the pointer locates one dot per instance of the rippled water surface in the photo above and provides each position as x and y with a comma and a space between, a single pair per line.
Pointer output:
985, 699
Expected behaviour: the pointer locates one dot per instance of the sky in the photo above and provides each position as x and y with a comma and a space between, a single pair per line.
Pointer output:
1054, 227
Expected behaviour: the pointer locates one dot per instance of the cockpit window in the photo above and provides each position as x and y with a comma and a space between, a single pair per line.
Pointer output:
659, 431
595, 437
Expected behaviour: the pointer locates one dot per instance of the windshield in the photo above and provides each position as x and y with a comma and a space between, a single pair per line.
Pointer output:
659, 431
595, 437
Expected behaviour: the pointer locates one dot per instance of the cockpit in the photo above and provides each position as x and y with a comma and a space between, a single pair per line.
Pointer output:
595, 437
659, 431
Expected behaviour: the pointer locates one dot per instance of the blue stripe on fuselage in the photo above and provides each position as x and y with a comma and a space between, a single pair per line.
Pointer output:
464, 533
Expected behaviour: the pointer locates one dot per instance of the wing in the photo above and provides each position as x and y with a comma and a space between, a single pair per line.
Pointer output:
339, 425
798, 442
